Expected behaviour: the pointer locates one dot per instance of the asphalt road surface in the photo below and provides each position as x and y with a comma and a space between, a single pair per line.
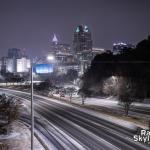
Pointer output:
62, 126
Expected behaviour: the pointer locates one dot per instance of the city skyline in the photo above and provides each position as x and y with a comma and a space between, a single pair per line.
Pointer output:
31, 24
74, 75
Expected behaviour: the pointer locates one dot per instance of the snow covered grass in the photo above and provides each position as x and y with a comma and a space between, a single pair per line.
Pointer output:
109, 101
18, 138
9, 136
106, 117
141, 105
101, 102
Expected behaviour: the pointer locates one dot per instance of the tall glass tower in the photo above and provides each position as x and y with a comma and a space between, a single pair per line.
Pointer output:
82, 39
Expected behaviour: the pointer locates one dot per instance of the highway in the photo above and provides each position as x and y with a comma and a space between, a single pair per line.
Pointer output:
62, 126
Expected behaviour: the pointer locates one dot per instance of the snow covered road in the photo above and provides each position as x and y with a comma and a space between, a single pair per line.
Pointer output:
67, 127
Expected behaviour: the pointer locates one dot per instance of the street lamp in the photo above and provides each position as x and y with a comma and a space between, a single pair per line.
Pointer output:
32, 108
49, 58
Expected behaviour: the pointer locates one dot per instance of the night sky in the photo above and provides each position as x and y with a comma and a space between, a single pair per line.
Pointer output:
30, 24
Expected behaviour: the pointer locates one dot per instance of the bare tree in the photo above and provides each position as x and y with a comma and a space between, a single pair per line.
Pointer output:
9, 108
70, 91
128, 92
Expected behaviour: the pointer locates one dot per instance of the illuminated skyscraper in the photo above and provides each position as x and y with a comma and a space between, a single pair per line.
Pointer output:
120, 47
57, 47
82, 46
54, 45
61, 52
55, 40
82, 39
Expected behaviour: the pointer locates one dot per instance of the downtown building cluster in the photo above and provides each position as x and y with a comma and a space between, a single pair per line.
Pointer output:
79, 56
16, 62
63, 57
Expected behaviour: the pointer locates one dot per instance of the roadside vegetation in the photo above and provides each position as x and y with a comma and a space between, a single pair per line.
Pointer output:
125, 75
9, 112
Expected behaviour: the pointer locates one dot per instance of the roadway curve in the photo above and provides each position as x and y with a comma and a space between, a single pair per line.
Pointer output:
65, 127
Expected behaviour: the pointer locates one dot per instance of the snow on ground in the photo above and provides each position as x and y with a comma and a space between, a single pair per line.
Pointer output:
19, 138
101, 102
109, 100
112, 119
141, 105
47, 143
83, 130
106, 102
9, 136
115, 120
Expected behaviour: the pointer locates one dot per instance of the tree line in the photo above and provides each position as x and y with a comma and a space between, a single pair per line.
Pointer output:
125, 75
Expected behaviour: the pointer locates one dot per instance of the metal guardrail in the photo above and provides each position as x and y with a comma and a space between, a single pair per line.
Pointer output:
17, 83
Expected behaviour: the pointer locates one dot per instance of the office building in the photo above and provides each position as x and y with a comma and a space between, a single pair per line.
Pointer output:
23, 65
14, 53
82, 39
97, 51
120, 47
61, 52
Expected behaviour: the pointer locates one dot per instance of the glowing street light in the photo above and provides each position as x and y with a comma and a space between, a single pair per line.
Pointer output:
50, 58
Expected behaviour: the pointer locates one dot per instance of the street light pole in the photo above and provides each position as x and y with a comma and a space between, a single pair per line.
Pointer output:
32, 103
32, 109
